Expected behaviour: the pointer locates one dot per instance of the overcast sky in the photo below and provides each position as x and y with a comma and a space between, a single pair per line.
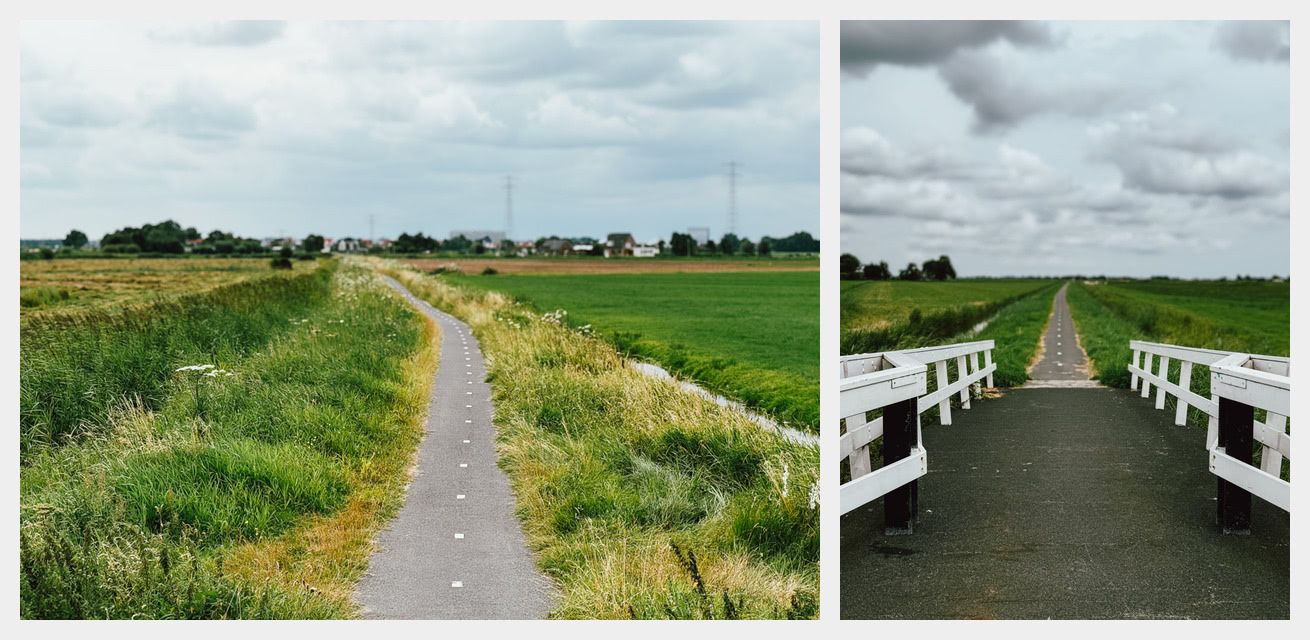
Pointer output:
262, 127
1056, 148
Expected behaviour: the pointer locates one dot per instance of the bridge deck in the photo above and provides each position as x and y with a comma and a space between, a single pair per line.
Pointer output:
1065, 503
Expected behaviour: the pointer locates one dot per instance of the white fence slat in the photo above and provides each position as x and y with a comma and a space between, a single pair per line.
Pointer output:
973, 366
870, 487
1164, 376
1184, 383
963, 370
1268, 487
1146, 366
990, 367
926, 402
944, 407
861, 435
1273, 435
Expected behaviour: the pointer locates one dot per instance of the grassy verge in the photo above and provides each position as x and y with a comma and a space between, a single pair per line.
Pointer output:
250, 495
640, 500
751, 336
934, 327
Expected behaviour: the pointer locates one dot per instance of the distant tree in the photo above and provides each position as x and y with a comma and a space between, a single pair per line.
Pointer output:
283, 259
681, 244
75, 239
911, 272
747, 247
507, 245
799, 242
939, 269
47, 253
729, 244
878, 271
661, 246
313, 243
765, 248
458, 243
849, 265
710, 247
191, 234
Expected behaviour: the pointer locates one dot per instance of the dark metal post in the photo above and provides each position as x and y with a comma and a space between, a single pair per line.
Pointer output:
899, 435
1236, 421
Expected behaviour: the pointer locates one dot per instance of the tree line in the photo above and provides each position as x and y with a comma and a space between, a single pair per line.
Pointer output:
933, 269
169, 237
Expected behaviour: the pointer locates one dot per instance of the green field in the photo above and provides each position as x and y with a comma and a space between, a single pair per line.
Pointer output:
1250, 316
225, 454
639, 499
753, 336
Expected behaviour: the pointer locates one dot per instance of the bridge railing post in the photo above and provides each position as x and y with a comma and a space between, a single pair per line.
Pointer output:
1236, 425
1147, 357
1184, 381
943, 381
1136, 362
900, 434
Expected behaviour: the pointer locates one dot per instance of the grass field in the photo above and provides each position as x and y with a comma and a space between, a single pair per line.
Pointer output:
886, 315
639, 499
226, 454
750, 335
599, 265
1249, 316
87, 283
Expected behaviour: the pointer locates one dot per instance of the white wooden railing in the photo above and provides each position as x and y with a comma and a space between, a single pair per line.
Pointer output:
1256, 381
875, 381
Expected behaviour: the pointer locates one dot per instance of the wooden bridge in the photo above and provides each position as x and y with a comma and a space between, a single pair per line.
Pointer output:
1063, 499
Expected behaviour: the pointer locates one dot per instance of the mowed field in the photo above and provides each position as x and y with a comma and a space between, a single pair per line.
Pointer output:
1251, 316
878, 304
93, 282
751, 335
598, 265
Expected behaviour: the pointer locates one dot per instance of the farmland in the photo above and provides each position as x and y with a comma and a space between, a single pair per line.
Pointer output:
750, 335
1252, 316
596, 265
221, 454
87, 283
886, 315
640, 500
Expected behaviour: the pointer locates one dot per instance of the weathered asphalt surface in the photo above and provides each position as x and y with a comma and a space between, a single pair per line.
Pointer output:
457, 526
1065, 503
1063, 362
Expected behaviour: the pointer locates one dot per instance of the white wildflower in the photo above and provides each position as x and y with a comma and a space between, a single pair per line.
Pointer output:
814, 494
785, 475
196, 367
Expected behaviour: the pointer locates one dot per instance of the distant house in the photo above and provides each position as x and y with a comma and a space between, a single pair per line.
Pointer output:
645, 251
557, 247
488, 239
347, 245
619, 244
700, 234
583, 249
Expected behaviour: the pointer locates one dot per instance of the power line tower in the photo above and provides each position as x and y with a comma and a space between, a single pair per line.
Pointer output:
509, 207
732, 197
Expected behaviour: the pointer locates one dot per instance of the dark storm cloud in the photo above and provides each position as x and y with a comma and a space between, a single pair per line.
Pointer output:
1001, 98
1254, 40
866, 44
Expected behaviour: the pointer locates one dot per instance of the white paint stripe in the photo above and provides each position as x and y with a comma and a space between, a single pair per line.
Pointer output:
463, 465
466, 442
457, 584
459, 496
459, 536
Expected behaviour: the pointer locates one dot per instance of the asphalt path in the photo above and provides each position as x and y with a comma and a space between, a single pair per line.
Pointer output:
1063, 362
456, 550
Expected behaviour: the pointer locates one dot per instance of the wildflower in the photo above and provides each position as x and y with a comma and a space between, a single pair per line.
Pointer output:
196, 367
785, 475
814, 494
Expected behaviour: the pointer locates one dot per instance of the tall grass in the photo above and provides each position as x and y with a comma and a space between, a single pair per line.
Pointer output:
252, 495
1017, 330
640, 500
74, 366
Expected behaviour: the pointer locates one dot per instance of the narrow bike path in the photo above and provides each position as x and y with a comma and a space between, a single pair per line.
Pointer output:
1065, 499
456, 550
1063, 363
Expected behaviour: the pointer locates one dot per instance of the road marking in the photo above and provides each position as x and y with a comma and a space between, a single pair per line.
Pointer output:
463, 465
459, 496
466, 442
459, 536
457, 584
468, 406
468, 422
468, 393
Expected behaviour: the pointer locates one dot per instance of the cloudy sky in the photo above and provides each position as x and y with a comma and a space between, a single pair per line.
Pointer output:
262, 128
1057, 148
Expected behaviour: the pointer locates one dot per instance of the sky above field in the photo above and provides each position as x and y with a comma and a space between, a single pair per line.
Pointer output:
267, 128
1031, 148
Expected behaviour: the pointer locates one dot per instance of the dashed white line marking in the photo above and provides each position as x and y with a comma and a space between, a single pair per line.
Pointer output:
466, 442
459, 536
456, 584
468, 393
468, 422
463, 465
459, 496
468, 406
